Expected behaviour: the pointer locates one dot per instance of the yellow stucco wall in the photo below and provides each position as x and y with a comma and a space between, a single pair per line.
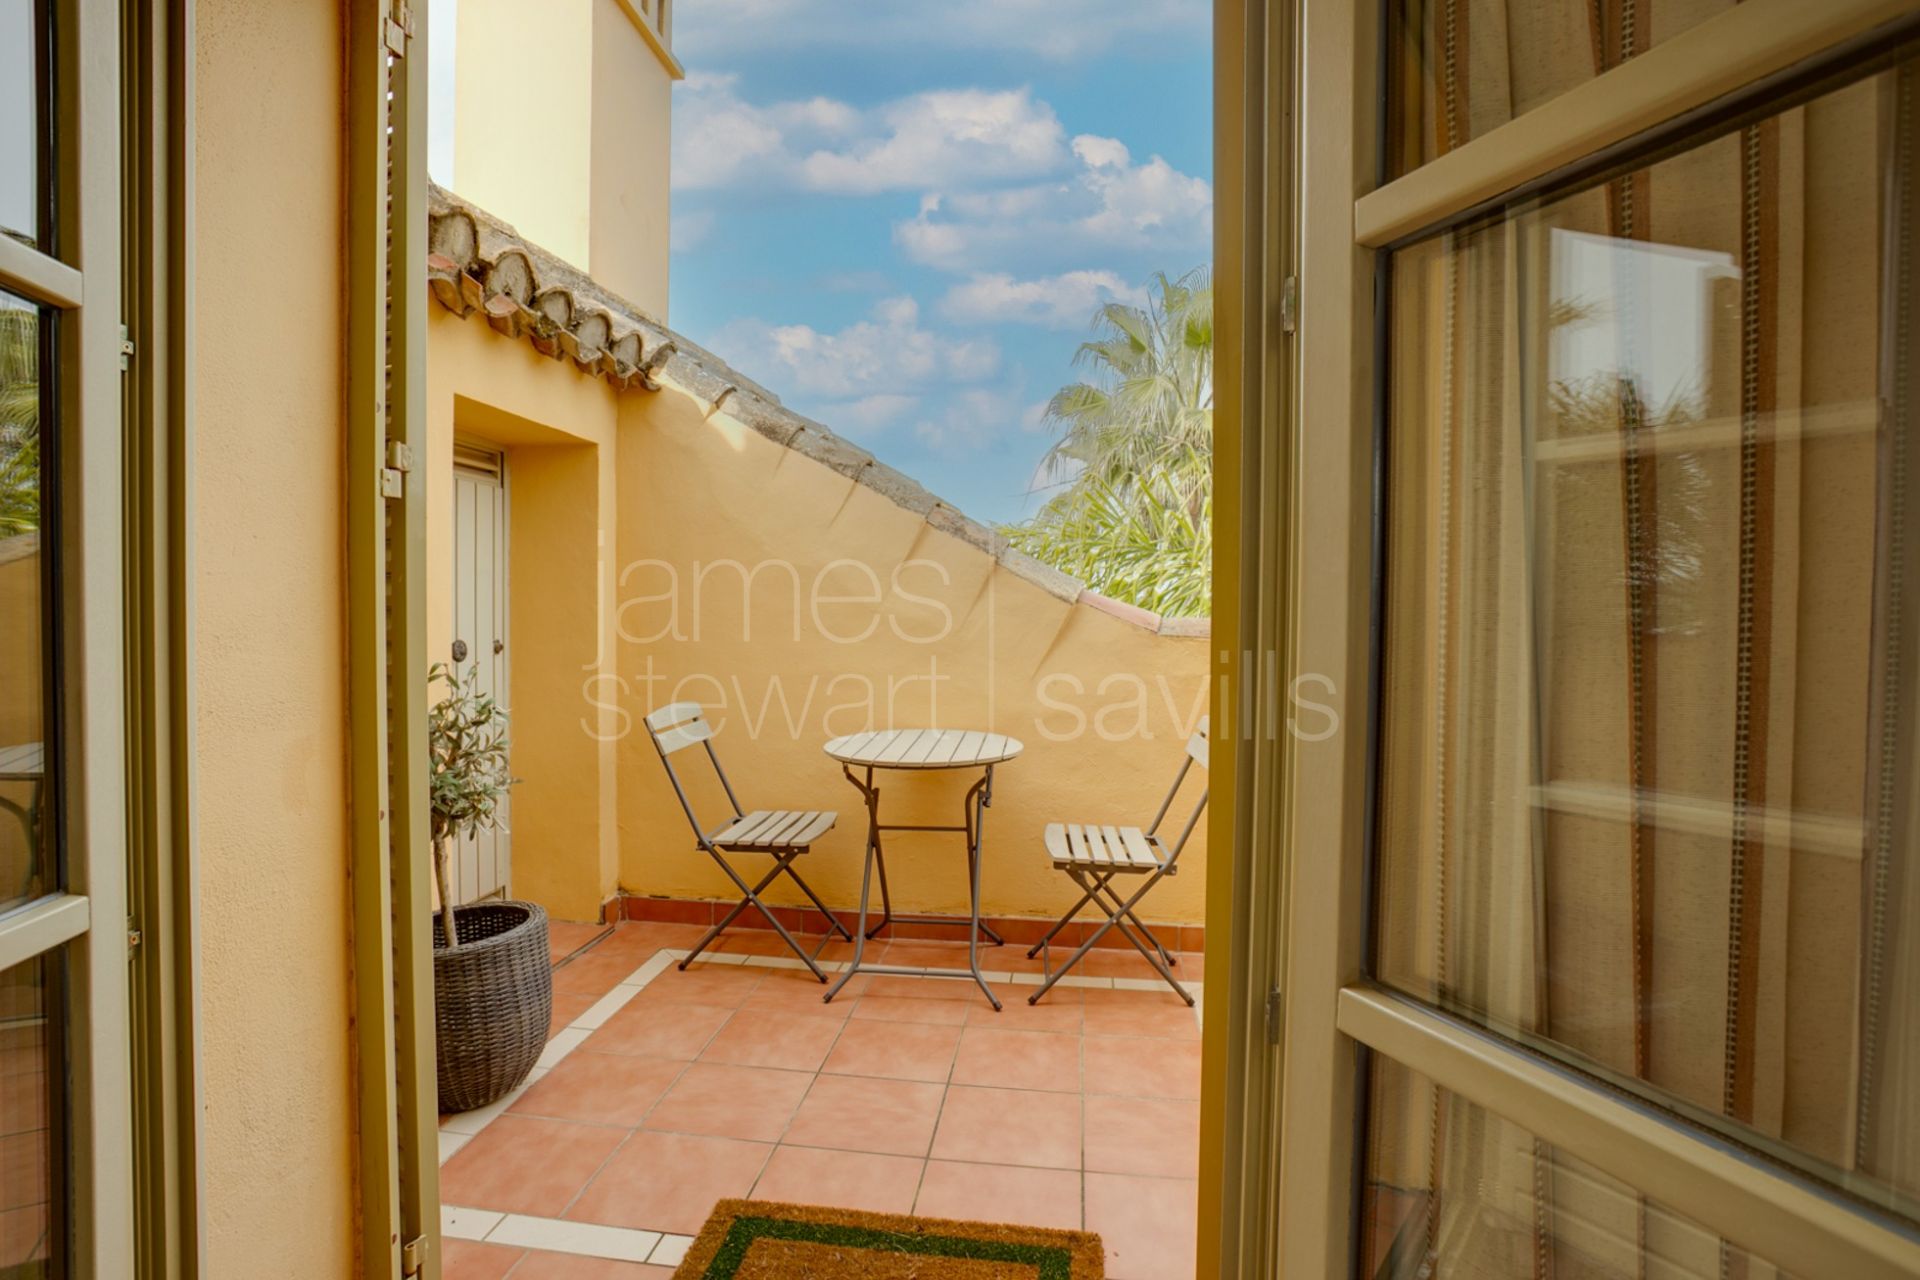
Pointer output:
22, 692
269, 641
523, 96
632, 106
862, 615
580, 167
637, 517
556, 426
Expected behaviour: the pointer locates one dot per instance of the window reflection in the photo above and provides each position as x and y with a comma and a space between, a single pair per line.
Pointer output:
1651, 745
24, 807
24, 119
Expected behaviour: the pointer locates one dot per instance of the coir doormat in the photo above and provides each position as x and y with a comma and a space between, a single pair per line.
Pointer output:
761, 1240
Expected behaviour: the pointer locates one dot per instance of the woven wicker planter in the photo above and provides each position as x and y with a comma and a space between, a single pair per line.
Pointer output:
493, 1001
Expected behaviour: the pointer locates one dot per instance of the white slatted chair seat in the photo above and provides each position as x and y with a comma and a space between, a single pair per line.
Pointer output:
776, 829
1107, 848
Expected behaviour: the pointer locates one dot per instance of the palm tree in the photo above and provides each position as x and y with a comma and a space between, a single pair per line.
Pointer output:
19, 420
1133, 514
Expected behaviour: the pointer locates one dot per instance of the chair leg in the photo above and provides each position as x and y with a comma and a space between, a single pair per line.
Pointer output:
752, 898
1114, 918
1067, 919
833, 922
1139, 924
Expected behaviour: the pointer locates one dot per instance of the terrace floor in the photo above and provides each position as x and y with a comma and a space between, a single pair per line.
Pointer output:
662, 1091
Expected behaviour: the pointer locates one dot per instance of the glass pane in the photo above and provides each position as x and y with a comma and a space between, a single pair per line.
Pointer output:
1453, 1190
1650, 781
30, 1071
25, 826
1463, 67
25, 118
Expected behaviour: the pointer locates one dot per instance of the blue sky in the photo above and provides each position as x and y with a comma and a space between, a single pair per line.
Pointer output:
899, 216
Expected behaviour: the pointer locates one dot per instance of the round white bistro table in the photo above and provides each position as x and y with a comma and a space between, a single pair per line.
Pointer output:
922, 749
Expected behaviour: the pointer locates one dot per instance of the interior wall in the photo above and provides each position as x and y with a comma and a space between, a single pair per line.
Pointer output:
269, 641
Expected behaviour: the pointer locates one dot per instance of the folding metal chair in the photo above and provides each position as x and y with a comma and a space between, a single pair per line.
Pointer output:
1095, 855
782, 834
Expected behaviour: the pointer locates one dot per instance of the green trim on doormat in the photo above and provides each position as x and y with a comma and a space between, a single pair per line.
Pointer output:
725, 1243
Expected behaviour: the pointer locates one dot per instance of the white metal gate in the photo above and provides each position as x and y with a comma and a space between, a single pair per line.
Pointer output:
483, 863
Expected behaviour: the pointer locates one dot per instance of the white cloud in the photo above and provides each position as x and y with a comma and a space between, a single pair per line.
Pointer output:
1065, 301
887, 355
1110, 203
967, 422
944, 137
1051, 29
939, 138
689, 229
869, 413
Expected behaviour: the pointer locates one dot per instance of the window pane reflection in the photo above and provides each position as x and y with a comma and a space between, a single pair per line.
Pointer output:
25, 118
25, 812
1651, 749
1453, 1190
30, 1057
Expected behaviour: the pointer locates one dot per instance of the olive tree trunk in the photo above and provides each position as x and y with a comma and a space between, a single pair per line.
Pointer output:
441, 857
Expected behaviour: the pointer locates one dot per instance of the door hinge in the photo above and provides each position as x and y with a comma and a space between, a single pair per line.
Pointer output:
393, 477
126, 349
1273, 1016
133, 938
399, 28
413, 1256
1290, 304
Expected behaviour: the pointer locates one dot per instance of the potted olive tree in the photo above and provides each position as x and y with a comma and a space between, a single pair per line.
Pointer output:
492, 980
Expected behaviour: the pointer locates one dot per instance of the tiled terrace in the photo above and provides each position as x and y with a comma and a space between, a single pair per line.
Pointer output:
663, 1091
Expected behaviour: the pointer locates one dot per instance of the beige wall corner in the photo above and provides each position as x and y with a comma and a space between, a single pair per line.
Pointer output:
269, 643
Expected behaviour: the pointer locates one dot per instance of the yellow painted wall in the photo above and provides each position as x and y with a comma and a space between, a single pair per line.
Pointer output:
523, 98
557, 428
269, 637
935, 633
632, 105
22, 692
561, 114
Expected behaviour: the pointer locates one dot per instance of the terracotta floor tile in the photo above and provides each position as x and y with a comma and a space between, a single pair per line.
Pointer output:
595, 973
600, 1088
1125, 962
840, 1179
669, 1181
1141, 1066
1147, 1224
759, 942
654, 934
1192, 966
1060, 1010
907, 987
572, 1266
660, 1029
895, 1050
774, 1038
564, 937
566, 1007
887, 1117
1009, 1126
520, 1164
725, 985
1139, 1013
752, 1103
1156, 1136
938, 955
797, 991
1018, 1059
1000, 1193
896, 1009
471, 1260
